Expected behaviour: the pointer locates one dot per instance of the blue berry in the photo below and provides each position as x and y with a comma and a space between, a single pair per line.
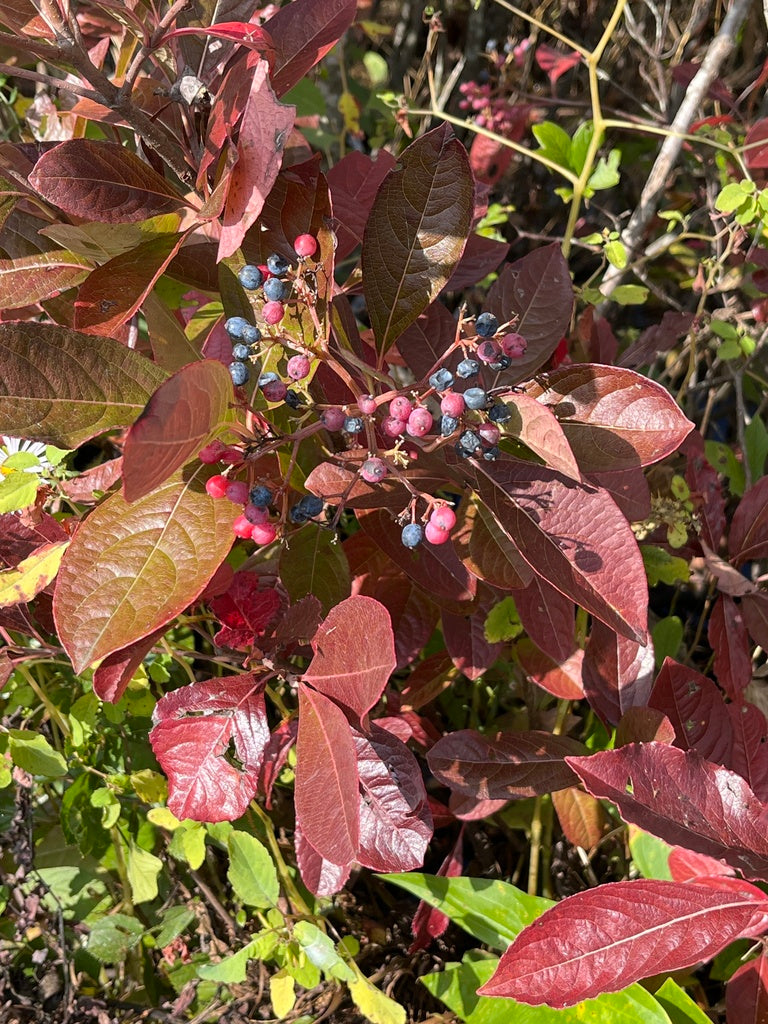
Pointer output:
486, 325
240, 351
475, 398
235, 326
353, 424
260, 496
267, 378
492, 453
250, 277
277, 264
251, 334
499, 413
441, 379
448, 424
297, 515
293, 399
412, 535
470, 442
239, 373
467, 368
311, 505
501, 363
275, 290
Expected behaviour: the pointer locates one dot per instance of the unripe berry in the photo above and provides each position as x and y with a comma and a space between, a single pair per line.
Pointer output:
489, 432
298, 367
486, 325
231, 456
434, 534
263, 534
419, 422
333, 418
256, 515
217, 485
305, 245
367, 405
242, 527
400, 407
513, 345
237, 492
487, 351
452, 404
212, 452
274, 391
443, 517
373, 470
273, 312
475, 398
412, 535
393, 426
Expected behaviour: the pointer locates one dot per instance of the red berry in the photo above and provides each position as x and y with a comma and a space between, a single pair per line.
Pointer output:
231, 456
266, 273
489, 432
263, 534
419, 422
443, 517
242, 527
273, 312
274, 391
212, 452
452, 404
434, 534
393, 426
298, 367
305, 245
237, 492
373, 470
400, 407
488, 351
217, 485
256, 514
513, 345
333, 418
367, 405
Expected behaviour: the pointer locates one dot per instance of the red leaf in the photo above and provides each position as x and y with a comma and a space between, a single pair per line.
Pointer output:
176, 423
321, 876
275, 755
242, 32
481, 257
686, 865
729, 640
613, 418
754, 609
548, 617
561, 679
413, 615
27, 280
539, 430
756, 146
490, 159
244, 611
327, 781
194, 727
465, 641
428, 922
423, 343
644, 725
706, 490
509, 766
353, 183
537, 291
265, 126
488, 553
554, 62
746, 994
628, 488
684, 73
748, 539
395, 820
101, 181
695, 707
683, 799
583, 819
750, 749
354, 654
302, 33
111, 678
659, 338
606, 938
617, 672
427, 681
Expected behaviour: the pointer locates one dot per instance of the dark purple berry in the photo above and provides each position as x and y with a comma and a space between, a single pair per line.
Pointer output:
467, 368
260, 496
486, 325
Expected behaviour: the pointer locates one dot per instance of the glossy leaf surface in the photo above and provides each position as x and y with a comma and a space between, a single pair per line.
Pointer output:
746, 994
302, 33
617, 672
30, 279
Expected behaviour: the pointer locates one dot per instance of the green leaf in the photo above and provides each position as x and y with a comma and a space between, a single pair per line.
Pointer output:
662, 567
321, 951
629, 294
733, 196
35, 755
721, 457
314, 563
143, 870
679, 1006
729, 350
188, 843
109, 805
493, 911
616, 254
113, 937
149, 786
503, 622
232, 969
18, 490
667, 636
580, 143
651, 855
606, 174
725, 330
756, 441
252, 872
554, 143
175, 921
374, 1005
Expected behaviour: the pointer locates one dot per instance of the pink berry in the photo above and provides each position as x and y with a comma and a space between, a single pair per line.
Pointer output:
400, 407
373, 470
217, 485
212, 452
263, 534
443, 517
298, 367
305, 245
393, 426
513, 345
242, 527
237, 492
333, 418
419, 422
488, 351
274, 391
231, 456
452, 404
256, 515
434, 534
489, 432
266, 273
367, 405
273, 312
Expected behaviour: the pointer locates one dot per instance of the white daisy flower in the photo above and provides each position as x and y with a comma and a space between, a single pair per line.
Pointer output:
11, 445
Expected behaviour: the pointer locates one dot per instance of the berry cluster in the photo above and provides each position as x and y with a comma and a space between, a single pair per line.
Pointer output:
496, 113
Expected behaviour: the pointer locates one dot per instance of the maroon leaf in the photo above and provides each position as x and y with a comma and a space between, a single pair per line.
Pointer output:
509, 766
554, 62
321, 876
244, 610
416, 232
643, 725
539, 430
683, 799
750, 749
695, 707
242, 32
617, 672
729, 640
746, 994
629, 489
395, 820
561, 679
177, 422
583, 819
465, 641
729, 579
263, 132
302, 33
30, 279
354, 654
548, 618
327, 779
88, 485
488, 553
194, 727
423, 343
656, 339
57, 386
101, 181
481, 257
574, 537
754, 609
428, 922
748, 539
427, 681
276, 752
606, 938
755, 154
706, 490
354, 182
613, 418
111, 678
536, 291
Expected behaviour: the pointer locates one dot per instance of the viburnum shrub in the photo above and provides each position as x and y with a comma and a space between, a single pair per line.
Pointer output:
290, 439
